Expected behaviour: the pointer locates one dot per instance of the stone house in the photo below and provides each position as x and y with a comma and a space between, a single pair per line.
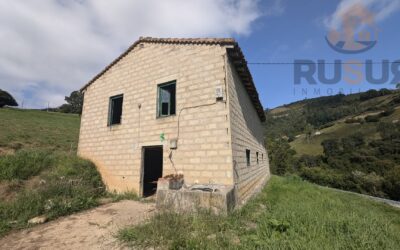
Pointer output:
169, 106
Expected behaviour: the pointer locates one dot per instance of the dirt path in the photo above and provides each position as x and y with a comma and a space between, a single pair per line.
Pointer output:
93, 229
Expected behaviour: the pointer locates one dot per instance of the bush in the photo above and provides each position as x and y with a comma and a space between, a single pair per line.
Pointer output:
369, 183
396, 100
354, 120
331, 147
391, 184
327, 125
388, 112
325, 177
309, 161
372, 93
372, 118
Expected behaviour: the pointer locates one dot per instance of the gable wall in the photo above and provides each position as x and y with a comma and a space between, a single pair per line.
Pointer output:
203, 155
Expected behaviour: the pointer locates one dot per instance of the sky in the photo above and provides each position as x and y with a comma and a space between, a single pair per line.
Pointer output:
51, 47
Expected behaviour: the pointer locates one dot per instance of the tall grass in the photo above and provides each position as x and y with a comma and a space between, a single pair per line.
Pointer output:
64, 184
288, 214
24, 164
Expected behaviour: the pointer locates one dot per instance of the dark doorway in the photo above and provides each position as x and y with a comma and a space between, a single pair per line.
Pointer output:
152, 169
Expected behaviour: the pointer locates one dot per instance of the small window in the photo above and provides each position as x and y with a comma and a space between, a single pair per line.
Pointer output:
166, 99
257, 157
115, 110
262, 157
248, 157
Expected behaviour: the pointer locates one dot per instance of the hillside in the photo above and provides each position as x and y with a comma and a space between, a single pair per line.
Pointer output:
292, 119
43, 177
37, 129
288, 214
40, 174
344, 141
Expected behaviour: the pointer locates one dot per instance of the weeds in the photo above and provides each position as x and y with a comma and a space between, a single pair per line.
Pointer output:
122, 196
24, 164
288, 214
65, 184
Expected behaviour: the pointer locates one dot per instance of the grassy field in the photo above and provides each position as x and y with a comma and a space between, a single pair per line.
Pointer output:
38, 129
40, 174
288, 214
339, 130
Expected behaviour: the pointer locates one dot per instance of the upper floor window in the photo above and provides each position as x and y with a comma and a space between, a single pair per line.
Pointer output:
115, 110
166, 99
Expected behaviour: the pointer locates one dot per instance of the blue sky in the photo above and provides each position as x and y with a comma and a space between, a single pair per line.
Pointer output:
299, 33
52, 47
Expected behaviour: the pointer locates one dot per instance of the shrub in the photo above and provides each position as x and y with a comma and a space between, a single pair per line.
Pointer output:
309, 161
388, 112
369, 183
353, 142
372, 93
354, 120
327, 125
396, 100
325, 177
391, 184
372, 118
331, 147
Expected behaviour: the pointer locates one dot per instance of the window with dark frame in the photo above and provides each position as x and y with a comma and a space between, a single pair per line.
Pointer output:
257, 157
166, 99
248, 157
115, 110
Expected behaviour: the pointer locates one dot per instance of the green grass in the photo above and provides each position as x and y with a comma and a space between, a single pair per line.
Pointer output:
62, 184
40, 173
288, 214
38, 129
337, 131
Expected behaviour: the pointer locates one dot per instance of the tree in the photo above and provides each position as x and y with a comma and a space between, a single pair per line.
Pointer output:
309, 129
281, 156
331, 147
6, 99
75, 101
353, 142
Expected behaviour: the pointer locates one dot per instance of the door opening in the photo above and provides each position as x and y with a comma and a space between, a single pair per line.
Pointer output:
152, 169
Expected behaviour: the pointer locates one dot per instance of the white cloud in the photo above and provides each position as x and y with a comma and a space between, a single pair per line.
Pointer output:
381, 9
276, 8
51, 47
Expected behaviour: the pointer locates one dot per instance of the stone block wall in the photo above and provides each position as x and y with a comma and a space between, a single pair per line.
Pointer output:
203, 154
247, 133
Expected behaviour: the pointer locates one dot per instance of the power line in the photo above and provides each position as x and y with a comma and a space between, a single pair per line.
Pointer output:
319, 62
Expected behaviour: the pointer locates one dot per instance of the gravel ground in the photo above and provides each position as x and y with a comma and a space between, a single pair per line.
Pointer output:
92, 229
